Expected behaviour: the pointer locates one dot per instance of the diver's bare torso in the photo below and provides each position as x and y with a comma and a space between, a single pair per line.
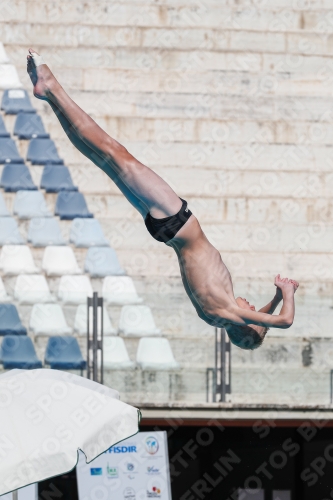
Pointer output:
206, 278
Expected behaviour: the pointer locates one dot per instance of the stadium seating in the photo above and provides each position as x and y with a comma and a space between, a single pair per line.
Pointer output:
56, 178
3, 208
10, 323
9, 232
8, 77
8, 151
155, 354
28, 204
74, 289
3, 294
48, 319
44, 231
17, 259
18, 352
137, 321
70, 205
16, 177
80, 324
42, 151
101, 262
86, 233
58, 260
29, 126
3, 130
120, 290
32, 288
16, 100
63, 353
115, 355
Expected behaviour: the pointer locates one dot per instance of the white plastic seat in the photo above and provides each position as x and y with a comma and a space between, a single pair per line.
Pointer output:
137, 321
3, 294
59, 260
115, 355
32, 288
29, 204
80, 324
74, 289
17, 259
155, 354
4, 59
3, 208
48, 319
120, 290
8, 77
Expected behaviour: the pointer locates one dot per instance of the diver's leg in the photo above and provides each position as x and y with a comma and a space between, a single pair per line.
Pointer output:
146, 186
98, 160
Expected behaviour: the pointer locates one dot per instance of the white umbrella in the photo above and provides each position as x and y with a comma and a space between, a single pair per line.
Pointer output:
46, 416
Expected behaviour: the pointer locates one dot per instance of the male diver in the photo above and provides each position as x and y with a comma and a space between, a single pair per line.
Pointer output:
168, 219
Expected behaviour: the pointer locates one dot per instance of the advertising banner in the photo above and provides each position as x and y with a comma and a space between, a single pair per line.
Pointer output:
135, 469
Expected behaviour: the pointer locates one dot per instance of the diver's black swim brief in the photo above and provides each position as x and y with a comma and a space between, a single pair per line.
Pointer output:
165, 229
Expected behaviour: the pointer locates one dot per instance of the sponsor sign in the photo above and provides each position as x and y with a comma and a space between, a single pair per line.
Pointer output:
135, 469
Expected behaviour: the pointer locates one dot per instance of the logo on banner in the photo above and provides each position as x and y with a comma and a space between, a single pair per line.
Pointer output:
153, 470
122, 449
129, 494
154, 492
152, 445
96, 471
112, 472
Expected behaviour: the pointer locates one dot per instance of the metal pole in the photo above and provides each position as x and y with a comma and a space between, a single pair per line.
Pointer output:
15, 495
95, 328
88, 339
222, 376
95, 339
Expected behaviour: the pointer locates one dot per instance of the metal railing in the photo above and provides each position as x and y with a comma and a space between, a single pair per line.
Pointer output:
95, 338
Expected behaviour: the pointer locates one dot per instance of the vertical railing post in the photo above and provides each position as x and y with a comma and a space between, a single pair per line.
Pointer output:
95, 339
222, 385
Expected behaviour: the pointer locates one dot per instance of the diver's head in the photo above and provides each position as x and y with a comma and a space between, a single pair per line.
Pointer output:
246, 336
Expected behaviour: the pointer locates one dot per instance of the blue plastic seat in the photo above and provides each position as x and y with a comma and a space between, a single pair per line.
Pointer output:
10, 323
15, 177
8, 151
18, 352
29, 204
56, 178
102, 261
9, 232
16, 100
70, 205
3, 130
44, 231
63, 353
29, 126
87, 233
42, 151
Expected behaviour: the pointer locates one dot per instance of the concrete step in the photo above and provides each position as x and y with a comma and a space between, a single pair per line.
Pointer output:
148, 258
225, 209
180, 16
208, 106
58, 36
155, 70
217, 183
164, 131
311, 238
